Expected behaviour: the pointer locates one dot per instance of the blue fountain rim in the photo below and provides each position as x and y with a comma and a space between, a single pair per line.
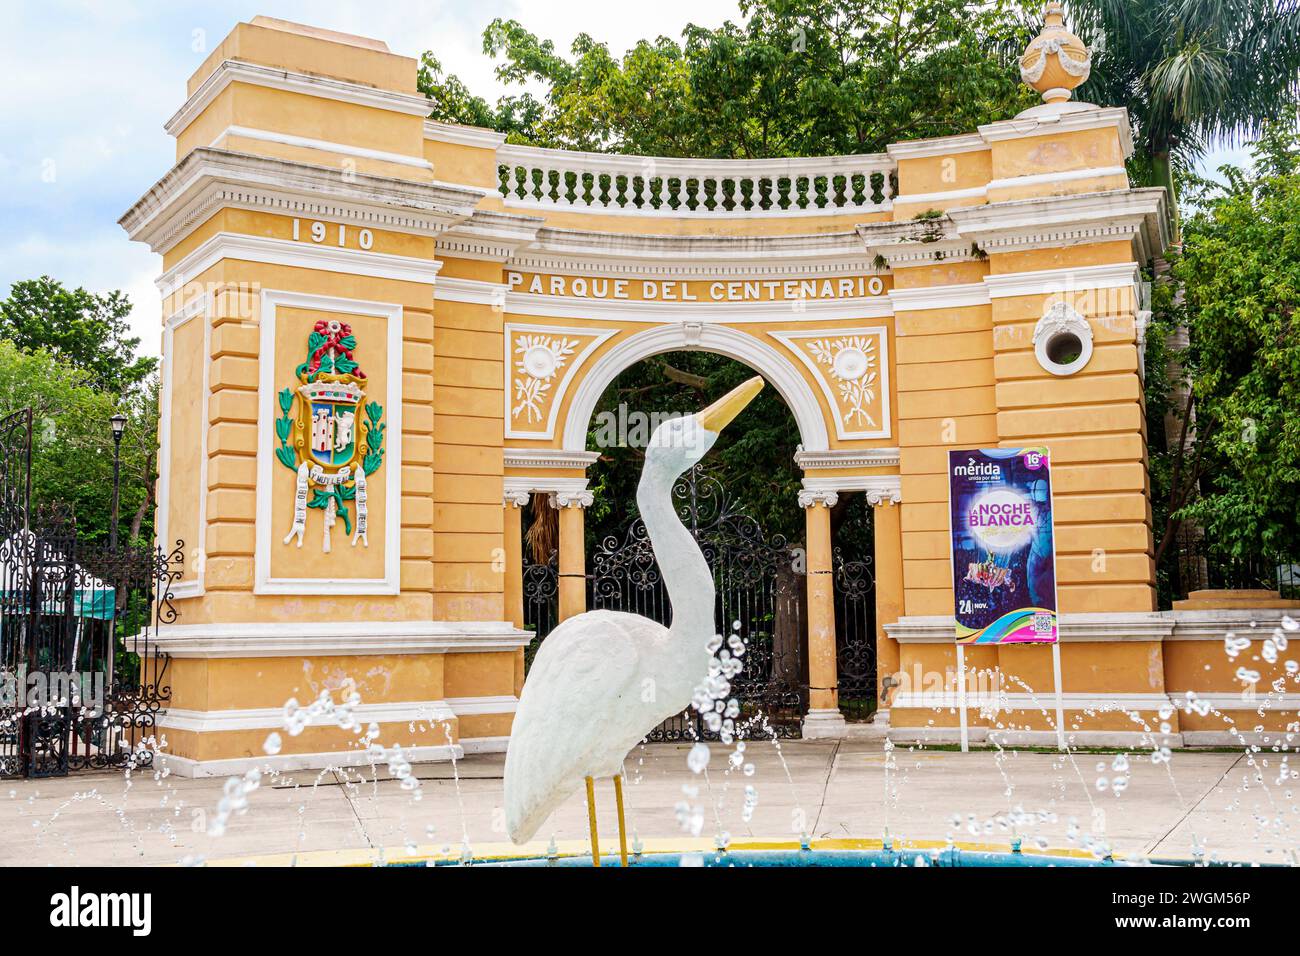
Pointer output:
882, 858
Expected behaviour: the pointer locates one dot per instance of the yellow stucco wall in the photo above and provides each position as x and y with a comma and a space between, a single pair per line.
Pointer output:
960, 373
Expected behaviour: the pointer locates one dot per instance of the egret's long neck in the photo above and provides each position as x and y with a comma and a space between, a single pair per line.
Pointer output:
686, 574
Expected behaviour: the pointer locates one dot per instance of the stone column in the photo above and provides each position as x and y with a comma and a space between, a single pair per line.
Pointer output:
513, 589
514, 556
573, 573
888, 541
824, 719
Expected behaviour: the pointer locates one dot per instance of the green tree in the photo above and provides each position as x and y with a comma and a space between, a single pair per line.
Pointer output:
1234, 470
452, 100
755, 463
1191, 73
72, 444
78, 328
797, 78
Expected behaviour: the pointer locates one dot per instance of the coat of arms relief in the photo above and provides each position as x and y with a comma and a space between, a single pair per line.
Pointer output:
329, 435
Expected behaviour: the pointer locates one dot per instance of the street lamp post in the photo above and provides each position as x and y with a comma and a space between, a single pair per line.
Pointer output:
118, 422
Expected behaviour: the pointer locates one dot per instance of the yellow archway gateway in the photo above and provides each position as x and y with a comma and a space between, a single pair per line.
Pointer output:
895, 300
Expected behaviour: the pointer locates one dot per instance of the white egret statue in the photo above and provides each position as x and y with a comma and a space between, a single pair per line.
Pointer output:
603, 680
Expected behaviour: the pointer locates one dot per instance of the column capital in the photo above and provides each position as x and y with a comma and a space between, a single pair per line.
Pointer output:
513, 485
515, 498
572, 499
809, 497
879, 489
884, 496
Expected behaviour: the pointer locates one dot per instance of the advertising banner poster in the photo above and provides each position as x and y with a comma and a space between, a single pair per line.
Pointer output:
1003, 550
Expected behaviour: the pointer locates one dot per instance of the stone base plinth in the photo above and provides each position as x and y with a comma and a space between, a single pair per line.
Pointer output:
299, 696
824, 724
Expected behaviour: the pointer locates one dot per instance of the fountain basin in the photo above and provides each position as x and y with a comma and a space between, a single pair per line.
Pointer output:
812, 858
785, 854
752, 852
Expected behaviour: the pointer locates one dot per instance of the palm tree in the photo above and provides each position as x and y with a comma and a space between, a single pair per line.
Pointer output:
1192, 73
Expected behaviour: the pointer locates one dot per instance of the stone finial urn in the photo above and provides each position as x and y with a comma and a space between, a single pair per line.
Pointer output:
1056, 61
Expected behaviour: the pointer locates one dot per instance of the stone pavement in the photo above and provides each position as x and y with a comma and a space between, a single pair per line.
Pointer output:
828, 789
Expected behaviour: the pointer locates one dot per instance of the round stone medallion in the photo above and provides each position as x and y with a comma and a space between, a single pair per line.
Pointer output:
850, 364
539, 362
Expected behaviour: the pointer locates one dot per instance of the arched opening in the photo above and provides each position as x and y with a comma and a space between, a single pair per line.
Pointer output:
742, 505
720, 340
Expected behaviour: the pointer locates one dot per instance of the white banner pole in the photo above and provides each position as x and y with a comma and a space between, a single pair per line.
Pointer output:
961, 696
1060, 706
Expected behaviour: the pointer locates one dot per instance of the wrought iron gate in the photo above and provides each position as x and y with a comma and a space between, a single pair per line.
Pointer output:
761, 595
81, 682
855, 628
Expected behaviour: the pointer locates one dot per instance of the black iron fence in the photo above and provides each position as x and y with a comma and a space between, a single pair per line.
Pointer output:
1196, 564
81, 679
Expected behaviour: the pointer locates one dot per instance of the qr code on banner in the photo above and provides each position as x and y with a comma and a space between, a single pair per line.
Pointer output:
1042, 624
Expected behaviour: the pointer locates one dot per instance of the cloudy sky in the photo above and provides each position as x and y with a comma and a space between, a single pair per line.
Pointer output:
90, 84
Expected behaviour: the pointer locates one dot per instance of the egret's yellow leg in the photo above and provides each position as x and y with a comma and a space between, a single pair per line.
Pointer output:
591, 816
622, 830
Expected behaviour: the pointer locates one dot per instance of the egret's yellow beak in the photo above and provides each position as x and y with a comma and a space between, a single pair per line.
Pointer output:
717, 415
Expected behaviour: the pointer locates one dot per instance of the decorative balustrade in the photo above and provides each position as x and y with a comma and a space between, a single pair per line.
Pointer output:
658, 186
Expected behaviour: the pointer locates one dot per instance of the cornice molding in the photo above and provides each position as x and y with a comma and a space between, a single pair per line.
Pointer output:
315, 760
334, 639
914, 242
1108, 627
1063, 176
1075, 116
1135, 214
301, 255
619, 254
1213, 625
847, 458
771, 266
475, 136
549, 458
259, 718
488, 236
943, 196
494, 704
1012, 182
474, 291
208, 179
1068, 278
1004, 701
307, 84
526, 486
324, 145
966, 232
935, 146
955, 296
